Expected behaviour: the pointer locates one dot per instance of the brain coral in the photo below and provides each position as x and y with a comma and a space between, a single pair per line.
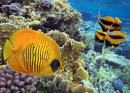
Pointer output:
14, 82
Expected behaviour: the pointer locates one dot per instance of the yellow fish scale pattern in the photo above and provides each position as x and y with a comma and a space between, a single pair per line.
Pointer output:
35, 55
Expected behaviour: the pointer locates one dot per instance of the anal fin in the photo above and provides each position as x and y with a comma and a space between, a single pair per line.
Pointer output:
13, 63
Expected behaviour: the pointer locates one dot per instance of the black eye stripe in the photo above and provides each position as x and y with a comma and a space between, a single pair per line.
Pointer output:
55, 65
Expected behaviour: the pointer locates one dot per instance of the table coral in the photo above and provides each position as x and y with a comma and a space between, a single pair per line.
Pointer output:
14, 82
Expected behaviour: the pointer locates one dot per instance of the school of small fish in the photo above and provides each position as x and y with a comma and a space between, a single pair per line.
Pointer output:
110, 32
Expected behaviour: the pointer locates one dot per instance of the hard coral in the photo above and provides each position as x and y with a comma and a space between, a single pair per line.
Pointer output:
46, 4
70, 51
13, 9
59, 84
52, 84
14, 82
57, 15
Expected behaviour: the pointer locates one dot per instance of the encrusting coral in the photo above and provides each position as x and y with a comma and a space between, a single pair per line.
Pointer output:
70, 51
14, 82
59, 84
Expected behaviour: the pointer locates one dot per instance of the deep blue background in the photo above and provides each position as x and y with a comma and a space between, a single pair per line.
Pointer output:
120, 8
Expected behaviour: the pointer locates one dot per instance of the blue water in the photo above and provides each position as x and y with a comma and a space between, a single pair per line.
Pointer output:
114, 8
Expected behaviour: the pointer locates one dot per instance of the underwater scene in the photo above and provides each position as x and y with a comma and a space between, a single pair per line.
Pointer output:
64, 46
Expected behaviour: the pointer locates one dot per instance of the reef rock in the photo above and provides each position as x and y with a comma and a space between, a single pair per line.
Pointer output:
117, 59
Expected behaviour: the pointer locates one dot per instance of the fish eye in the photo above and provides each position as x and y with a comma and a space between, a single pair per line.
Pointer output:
55, 65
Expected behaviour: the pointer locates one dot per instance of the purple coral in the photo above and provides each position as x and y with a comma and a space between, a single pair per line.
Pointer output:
14, 82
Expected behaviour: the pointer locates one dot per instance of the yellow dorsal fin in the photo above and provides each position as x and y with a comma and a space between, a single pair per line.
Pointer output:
117, 20
109, 18
124, 34
22, 37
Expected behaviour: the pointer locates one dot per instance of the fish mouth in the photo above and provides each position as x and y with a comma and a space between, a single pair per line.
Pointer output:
61, 67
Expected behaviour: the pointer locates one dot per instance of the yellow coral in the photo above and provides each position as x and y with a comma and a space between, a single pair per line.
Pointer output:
70, 51
81, 74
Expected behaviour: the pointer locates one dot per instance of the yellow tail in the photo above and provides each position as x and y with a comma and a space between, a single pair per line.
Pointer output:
7, 51
124, 34
117, 20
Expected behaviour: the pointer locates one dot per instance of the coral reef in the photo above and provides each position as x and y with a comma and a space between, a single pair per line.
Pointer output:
45, 4
59, 84
13, 9
51, 84
119, 60
57, 15
87, 39
70, 51
14, 82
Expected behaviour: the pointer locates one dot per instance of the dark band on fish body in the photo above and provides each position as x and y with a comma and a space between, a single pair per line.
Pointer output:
115, 37
55, 65
108, 44
101, 33
97, 39
109, 23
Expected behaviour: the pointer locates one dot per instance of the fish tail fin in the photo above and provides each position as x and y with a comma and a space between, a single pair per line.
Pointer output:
124, 34
117, 20
7, 51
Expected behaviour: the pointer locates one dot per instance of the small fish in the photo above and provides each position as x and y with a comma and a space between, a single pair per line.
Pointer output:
99, 35
113, 39
32, 52
106, 21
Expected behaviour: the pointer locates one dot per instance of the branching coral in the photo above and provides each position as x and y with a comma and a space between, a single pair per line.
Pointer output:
14, 82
